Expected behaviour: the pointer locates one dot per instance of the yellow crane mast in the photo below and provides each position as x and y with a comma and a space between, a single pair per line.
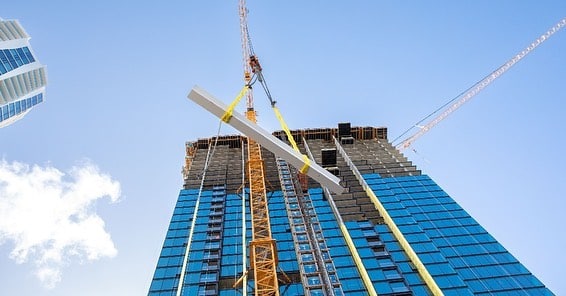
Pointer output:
263, 252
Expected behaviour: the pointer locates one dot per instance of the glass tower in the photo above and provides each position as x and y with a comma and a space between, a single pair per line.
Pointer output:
394, 232
22, 77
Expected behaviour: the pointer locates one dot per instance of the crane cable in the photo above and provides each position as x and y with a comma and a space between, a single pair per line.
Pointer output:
417, 124
261, 79
475, 89
230, 110
258, 75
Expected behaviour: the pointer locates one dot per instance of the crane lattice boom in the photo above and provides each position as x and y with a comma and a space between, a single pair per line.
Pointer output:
263, 252
475, 89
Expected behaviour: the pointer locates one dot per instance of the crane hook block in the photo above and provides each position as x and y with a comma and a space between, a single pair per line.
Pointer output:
254, 64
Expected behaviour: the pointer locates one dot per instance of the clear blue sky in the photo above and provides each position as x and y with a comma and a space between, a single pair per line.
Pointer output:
119, 73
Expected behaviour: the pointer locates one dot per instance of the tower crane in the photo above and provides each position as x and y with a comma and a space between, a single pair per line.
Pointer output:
263, 252
474, 89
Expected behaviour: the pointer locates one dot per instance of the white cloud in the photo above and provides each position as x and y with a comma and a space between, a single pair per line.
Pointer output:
50, 217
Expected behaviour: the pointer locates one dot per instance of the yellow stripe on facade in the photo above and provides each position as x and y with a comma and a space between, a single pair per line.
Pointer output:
421, 269
358, 260
423, 272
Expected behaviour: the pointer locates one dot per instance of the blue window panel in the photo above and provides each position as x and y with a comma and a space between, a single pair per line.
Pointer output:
417, 238
287, 255
394, 206
155, 285
231, 270
334, 242
199, 236
175, 261
349, 286
399, 287
5, 61
10, 54
343, 261
22, 56
393, 246
386, 236
457, 292
3, 69
289, 265
328, 224
431, 258
168, 284
382, 288
437, 269
398, 255
235, 259
28, 54
231, 250
425, 247
515, 268
484, 238
354, 231
527, 281
194, 255
405, 222
386, 199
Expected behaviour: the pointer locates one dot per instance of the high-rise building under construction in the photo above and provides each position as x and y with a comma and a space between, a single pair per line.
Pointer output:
393, 232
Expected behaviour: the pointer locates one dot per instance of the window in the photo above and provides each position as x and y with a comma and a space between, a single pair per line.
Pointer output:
399, 287
313, 280
309, 268
22, 56
207, 289
391, 274
212, 254
28, 54
213, 235
212, 245
210, 265
11, 59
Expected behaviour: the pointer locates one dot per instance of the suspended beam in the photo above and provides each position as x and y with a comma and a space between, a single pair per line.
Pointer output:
265, 139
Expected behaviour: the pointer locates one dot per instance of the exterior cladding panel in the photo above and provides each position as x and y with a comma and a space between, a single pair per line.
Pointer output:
460, 255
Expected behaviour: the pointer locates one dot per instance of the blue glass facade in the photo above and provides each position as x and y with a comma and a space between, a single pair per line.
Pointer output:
387, 265
411, 238
11, 59
459, 254
15, 108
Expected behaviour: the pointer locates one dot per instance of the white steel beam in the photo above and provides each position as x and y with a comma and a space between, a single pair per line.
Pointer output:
265, 139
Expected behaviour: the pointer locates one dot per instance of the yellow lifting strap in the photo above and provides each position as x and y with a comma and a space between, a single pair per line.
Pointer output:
228, 114
285, 128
